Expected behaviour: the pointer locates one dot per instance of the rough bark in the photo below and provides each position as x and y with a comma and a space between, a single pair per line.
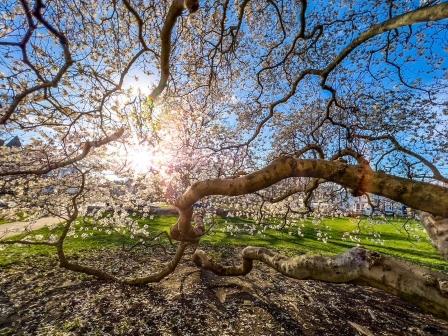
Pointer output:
419, 285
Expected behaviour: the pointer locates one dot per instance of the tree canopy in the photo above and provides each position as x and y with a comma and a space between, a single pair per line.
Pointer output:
252, 107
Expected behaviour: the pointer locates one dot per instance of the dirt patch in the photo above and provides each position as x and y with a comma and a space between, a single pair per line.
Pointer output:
38, 298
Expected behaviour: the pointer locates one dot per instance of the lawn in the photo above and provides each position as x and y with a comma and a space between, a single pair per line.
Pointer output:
397, 237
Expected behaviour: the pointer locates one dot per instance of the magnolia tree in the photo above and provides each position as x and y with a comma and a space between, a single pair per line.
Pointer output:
248, 108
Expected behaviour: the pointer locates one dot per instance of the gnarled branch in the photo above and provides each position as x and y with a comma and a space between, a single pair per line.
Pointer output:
424, 287
425, 14
418, 195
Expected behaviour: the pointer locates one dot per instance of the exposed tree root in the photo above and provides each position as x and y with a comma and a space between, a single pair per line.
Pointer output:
419, 285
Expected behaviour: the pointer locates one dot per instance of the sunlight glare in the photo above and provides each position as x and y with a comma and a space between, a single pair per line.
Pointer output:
141, 159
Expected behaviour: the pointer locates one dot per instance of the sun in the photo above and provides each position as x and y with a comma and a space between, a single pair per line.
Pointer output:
141, 159
136, 159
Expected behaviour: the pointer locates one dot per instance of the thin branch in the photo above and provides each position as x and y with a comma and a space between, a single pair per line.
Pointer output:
86, 148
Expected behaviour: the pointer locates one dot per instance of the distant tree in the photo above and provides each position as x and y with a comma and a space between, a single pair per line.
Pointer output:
272, 101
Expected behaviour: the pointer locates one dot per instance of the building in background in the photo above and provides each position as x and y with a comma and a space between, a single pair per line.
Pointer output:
381, 205
13, 143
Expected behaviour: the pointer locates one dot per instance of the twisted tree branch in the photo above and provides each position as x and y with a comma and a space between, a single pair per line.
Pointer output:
417, 195
424, 287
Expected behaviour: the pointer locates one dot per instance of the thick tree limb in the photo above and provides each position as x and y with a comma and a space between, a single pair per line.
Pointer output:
424, 287
417, 195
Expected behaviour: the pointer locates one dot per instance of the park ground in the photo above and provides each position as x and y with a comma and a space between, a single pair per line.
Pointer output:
38, 298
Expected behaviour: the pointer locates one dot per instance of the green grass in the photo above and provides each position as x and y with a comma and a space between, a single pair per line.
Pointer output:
395, 240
